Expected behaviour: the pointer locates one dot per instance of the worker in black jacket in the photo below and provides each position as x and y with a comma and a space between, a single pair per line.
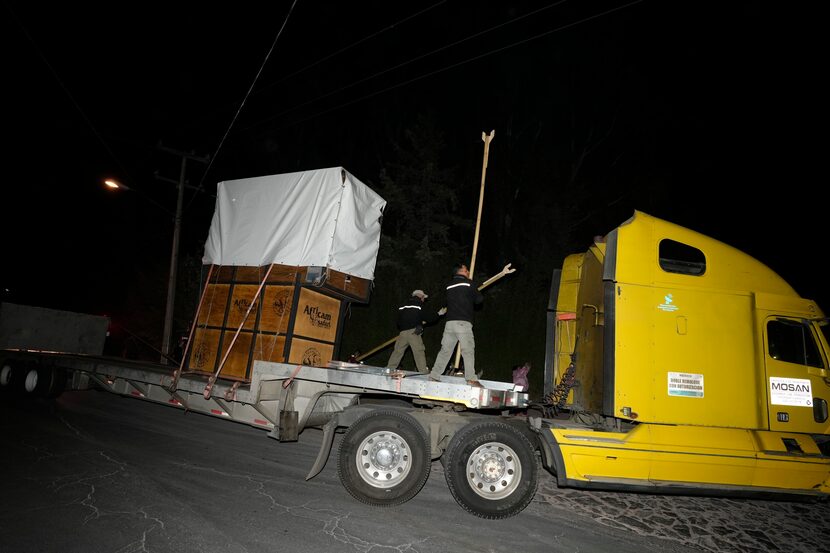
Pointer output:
411, 320
462, 297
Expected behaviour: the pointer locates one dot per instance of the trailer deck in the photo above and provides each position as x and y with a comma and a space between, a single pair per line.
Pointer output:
317, 390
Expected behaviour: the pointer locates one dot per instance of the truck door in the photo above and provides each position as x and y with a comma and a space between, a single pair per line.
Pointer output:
797, 375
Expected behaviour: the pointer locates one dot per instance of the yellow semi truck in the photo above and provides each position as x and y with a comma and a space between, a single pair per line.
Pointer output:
683, 365
675, 363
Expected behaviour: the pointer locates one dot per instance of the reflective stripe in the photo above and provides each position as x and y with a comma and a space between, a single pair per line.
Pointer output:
409, 307
459, 284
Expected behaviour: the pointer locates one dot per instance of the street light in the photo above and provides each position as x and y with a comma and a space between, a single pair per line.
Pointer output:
177, 224
112, 183
174, 261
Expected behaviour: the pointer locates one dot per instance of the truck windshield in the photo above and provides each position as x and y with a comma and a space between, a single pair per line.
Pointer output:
824, 325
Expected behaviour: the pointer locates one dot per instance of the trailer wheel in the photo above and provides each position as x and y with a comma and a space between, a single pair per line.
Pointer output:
491, 469
48, 382
57, 382
383, 459
12, 375
30, 381
5, 375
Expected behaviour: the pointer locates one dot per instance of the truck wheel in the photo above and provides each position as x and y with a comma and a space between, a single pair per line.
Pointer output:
57, 382
491, 469
48, 382
30, 381
5, 375
383, 458
12, 375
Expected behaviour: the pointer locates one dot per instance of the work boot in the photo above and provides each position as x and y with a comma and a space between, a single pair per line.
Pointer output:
474, 384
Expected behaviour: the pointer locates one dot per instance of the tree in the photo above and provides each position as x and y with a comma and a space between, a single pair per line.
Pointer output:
420, 240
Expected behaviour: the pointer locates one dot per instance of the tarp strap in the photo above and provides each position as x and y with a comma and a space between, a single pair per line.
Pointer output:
176, 374
212, 380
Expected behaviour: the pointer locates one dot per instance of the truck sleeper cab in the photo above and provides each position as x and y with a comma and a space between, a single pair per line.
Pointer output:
700, 369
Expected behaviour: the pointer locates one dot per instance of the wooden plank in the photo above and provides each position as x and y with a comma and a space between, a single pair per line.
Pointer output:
269, 348
213, 310
251, 275
204, 350
236, 366
306, 352
224, 273
241, 298
276, 308
282, 274
349, 285
317, 316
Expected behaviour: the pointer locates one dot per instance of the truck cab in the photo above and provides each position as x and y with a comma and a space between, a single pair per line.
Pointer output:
697, 367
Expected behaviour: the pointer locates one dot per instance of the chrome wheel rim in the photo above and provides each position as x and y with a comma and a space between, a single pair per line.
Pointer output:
494, 471
383, 459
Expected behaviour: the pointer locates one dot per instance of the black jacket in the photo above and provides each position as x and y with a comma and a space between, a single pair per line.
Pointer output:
462, 297
413, 314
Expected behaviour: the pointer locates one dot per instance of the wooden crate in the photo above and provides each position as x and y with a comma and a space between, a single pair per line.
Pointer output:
297, 318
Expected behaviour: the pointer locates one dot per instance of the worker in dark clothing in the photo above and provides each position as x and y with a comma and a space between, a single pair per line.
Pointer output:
411, 320
462, 297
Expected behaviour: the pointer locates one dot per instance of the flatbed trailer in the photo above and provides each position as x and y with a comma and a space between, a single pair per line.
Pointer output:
395, 422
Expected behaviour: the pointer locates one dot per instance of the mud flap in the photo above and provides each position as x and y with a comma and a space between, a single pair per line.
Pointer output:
325, 448
288, 429
288, 426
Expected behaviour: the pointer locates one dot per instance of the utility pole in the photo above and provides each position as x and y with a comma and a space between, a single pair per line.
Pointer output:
174, 255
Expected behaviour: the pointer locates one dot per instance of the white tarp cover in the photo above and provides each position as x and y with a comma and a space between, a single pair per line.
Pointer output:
309, 218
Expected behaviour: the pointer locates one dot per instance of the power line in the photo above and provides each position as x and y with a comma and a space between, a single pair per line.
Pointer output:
454, 65
241, 105
405, 63
346, 48
349, 47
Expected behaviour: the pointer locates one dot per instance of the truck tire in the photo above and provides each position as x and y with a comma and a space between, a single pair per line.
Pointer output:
12, 375
491, 469
384, 458
57, 383
44, 382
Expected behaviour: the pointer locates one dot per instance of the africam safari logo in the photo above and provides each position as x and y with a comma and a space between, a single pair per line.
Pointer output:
241, 304
312, 357
317, 317
281, 303
200, 355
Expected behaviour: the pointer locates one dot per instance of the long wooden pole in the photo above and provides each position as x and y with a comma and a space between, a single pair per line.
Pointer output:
487, 139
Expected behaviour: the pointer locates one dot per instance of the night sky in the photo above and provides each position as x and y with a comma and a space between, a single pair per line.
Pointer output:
702, 113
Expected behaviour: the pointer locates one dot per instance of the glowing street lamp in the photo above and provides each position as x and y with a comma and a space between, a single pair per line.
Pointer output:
174, 256
112, 183
174, 262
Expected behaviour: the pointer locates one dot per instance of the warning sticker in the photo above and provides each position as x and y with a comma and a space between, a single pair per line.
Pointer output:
790, 391
686, 384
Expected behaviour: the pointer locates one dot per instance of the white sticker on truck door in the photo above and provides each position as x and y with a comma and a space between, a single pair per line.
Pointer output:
686, 384
790, 391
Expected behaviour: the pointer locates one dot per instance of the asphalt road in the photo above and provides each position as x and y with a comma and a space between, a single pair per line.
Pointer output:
94, 472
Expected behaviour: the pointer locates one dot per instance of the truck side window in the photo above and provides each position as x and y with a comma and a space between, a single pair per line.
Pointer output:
792, 342
676, 257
